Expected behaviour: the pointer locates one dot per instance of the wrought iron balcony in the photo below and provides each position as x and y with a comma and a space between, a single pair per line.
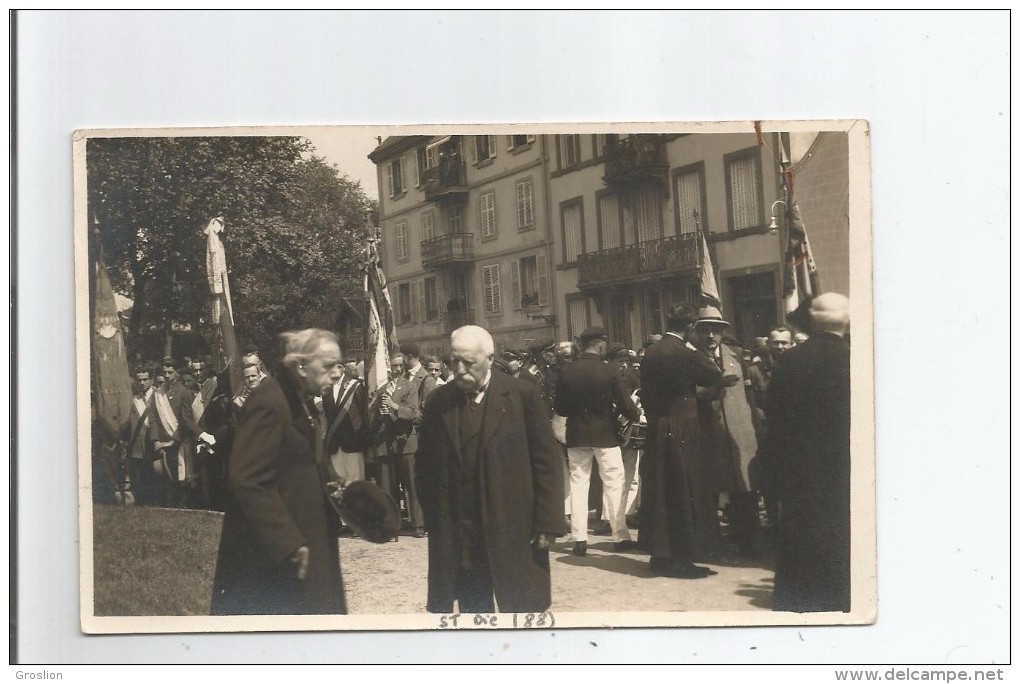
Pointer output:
455, 319
448, 249
671, 256
447, 182
636, 160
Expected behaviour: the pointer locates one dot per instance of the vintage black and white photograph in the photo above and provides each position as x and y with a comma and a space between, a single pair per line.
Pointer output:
496, 377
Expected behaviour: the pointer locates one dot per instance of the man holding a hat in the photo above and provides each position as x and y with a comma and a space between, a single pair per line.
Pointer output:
730, 439
590, 395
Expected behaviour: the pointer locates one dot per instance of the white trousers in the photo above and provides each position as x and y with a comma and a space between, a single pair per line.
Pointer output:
351, 467
631, 483
611, 471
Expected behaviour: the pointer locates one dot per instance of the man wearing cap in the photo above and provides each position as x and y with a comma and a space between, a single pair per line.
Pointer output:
808, 442
490, 486
590, 395
730, 441
671, 484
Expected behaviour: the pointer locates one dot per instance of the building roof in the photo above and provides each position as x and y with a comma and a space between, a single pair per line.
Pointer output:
395, 144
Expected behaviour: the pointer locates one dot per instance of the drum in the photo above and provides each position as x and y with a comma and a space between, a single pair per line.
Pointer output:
632, 434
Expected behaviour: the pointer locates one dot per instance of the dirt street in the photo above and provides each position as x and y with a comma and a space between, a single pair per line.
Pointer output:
391, 578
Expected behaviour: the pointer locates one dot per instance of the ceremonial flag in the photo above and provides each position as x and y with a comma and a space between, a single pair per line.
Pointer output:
222, 308
380, 334
709, 288
113, 395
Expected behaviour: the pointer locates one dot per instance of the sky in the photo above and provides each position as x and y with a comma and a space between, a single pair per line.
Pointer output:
347, 147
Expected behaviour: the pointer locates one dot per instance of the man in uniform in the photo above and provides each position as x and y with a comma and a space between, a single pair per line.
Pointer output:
589, 394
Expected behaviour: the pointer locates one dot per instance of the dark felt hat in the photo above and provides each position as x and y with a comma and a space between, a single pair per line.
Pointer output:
370, 512
410, 349
593, 333
511, 355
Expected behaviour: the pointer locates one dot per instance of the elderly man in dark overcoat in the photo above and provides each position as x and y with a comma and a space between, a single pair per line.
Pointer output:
278, 551
672, 481
809, 446
491, 486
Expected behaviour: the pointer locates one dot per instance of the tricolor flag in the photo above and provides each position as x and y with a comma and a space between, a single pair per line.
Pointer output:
800, 275
222, 308
380, 334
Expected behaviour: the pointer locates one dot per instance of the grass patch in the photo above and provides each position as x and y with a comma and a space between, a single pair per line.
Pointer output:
154, 561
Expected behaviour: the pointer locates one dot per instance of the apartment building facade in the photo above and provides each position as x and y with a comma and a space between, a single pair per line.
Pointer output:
542, 236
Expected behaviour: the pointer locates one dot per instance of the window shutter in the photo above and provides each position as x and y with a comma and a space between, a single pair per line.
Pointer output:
414, 164
531, 138
403, 173
542, 279
422, 311
440, 296
572, 241
497, 297
515, 282
389, 178
475, 157
509, 143
488, 205
609, 222
492, 146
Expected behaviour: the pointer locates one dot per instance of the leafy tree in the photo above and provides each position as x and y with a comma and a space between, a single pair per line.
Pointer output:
293, 232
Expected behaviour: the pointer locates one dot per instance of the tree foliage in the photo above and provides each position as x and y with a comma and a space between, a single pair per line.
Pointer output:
294, 228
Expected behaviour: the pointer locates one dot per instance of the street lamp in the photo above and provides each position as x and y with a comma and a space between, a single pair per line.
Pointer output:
774, 225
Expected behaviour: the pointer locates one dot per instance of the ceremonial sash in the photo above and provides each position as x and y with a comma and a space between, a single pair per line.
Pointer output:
142, 407
344, 406
166, 414
198, 406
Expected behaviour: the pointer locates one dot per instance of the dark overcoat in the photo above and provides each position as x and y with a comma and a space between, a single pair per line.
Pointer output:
520, 491
276, 504
808, 444
673, 492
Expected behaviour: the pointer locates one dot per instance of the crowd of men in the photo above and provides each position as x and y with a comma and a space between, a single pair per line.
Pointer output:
705, 448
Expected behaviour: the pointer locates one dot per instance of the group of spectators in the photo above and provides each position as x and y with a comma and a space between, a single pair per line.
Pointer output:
697, 443
179, 434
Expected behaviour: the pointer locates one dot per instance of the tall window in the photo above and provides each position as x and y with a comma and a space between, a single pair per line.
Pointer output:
529, 282
598, 143
401, 240
454, 219
647, 209
573, 231
690, 191
610, 221
577, 315
398, 174
484, 147
487, 201
431, 295
428, 225
525, 205
421, 163
569, 150
743, 189
490, 289
404, 304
